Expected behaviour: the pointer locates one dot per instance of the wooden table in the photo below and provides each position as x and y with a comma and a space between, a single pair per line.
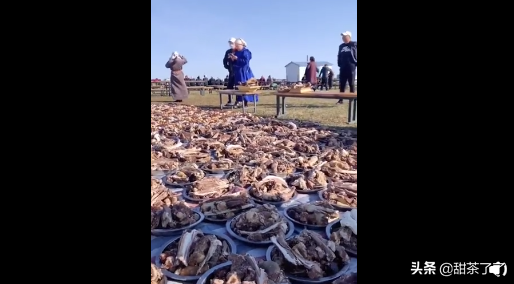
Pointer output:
351, 97
239, 93
201, 88
161, 91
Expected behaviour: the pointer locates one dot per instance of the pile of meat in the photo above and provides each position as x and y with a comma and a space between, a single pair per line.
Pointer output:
194, 253
246, 270
161, 196
173, 216
246, 176
219, 165
157, 276
341, 194
308, 180
308, 255
209, 187
318, 213
272, 188
259, 224
182, 136
346, 235
226, 207
186, 174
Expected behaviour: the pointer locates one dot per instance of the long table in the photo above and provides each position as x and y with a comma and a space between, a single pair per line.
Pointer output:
351, 97
239, 93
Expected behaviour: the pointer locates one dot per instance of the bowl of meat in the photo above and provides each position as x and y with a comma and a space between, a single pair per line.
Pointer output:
308, 181
341, 195
184, 176
344, 232
244, 269
258, 225
174, 218
185, 258
316, 215
223, 208
301, 266
272, 190
207, 188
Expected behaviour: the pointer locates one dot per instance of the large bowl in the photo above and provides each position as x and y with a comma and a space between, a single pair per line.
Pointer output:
290, 231
333, 227
307, 226
276, 203
172, 232
207, 276
165, 180
230, 242
343, 208
307, 280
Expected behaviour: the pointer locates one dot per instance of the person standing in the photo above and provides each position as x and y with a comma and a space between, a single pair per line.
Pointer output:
178, 88
330, 78
324, 77
347, 62
311, 71
241, 66
228, 64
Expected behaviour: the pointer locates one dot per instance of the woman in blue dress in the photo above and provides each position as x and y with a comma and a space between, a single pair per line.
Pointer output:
241, 67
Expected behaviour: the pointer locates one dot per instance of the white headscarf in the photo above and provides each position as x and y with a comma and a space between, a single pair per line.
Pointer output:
175, 55
242, 41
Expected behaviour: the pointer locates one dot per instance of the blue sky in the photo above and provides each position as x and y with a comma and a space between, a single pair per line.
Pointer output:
276, 33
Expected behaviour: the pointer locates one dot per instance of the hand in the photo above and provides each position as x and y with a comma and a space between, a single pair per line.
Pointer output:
234, 57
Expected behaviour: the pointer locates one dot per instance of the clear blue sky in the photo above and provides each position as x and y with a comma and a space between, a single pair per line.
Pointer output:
276, 32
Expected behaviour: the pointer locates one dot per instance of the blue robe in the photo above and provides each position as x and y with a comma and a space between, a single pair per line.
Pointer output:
242, 71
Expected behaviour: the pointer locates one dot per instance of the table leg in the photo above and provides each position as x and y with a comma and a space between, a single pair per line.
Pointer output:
354, 115
283, 105
221, 102
254, 103
278, 106
350, 103
244, 107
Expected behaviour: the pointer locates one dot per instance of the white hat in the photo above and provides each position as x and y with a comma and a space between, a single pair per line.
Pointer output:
232, 40
347, 33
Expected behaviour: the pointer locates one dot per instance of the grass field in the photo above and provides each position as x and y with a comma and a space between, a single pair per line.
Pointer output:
323, 111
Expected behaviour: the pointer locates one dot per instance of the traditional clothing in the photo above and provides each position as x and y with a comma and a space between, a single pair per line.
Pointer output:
178, 86
310, 73
242, 70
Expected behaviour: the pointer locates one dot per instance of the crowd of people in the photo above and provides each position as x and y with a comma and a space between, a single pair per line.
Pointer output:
237, 63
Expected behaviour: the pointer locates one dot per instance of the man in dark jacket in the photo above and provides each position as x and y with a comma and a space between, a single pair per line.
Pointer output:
323, 74
227, 63
347, 62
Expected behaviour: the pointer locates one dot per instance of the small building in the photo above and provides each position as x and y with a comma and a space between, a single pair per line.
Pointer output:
296, 70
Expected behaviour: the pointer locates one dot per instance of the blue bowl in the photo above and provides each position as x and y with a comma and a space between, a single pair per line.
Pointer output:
290, 232
222, 237
333, 227
176, 231
308, 280
207, 276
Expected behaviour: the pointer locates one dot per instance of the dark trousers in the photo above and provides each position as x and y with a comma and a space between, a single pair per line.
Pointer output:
230, 85
324, 83
347, 74
329, 83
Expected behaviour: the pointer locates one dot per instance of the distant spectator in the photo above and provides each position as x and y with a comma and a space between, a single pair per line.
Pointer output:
211, 81
323, 74
269, 81
225, 81
311, 71
177, 85
330, 78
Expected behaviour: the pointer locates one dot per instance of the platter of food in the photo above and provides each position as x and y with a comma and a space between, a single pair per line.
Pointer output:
174, 218
344, 232
206, 188
291, 254
226, 207
341, 195
272, 190
184, 176
187, 257
315, 216
244, 269
258, 225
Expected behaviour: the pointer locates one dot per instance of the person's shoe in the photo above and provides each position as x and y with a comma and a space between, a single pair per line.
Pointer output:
340, 102
178, 101
229, 105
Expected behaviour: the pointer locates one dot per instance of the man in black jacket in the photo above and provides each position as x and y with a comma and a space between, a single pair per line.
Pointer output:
347, 62
227, 63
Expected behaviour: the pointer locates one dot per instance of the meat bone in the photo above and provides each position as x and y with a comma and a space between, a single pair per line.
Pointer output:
214, 244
